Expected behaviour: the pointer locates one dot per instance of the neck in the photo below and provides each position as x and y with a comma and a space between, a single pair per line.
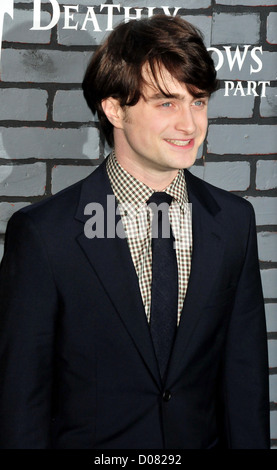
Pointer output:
155, 178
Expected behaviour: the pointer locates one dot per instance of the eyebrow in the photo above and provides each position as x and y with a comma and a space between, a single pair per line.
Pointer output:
175, 96
162, 96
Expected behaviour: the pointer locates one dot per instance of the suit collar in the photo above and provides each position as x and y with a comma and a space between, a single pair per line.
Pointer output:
198, 193
95, 188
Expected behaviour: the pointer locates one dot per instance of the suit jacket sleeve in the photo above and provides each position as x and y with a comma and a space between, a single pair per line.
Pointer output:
245, 384
27, 312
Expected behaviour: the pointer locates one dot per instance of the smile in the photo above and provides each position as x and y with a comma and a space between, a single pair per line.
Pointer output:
179, 143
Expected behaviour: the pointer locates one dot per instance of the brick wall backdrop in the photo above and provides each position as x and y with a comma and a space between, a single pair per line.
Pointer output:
48, 138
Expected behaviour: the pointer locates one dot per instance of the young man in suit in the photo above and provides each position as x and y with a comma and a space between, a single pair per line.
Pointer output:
112, 336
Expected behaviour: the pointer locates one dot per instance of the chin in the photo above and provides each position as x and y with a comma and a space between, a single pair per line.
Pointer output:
188, 163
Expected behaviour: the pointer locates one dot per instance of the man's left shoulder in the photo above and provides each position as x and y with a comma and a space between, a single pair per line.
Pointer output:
226, 200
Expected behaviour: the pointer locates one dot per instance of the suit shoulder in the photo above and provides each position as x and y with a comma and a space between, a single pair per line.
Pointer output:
59, 205
224, 198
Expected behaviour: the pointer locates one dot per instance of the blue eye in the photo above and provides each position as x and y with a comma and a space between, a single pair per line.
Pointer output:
200, 103
166, 105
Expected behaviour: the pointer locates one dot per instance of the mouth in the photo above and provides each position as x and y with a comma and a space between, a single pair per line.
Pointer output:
180, 143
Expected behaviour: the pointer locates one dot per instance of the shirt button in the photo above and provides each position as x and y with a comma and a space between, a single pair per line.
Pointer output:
166, 395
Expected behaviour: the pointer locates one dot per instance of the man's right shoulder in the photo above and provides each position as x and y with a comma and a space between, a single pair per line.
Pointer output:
60, 206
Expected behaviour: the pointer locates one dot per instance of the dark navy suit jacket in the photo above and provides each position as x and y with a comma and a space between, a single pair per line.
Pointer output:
78, 369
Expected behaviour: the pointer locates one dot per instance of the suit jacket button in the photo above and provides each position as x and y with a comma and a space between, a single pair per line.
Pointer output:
166, 395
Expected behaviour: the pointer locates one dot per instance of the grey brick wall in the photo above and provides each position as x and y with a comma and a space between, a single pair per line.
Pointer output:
48, 138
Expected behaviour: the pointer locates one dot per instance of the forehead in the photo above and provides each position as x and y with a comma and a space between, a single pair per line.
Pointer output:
162, 84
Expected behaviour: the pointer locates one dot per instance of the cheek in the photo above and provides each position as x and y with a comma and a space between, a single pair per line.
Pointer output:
203, 125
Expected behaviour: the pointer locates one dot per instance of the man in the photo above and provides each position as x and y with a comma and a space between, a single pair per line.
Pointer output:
109, 337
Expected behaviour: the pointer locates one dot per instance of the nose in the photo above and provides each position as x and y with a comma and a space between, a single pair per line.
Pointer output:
185, 121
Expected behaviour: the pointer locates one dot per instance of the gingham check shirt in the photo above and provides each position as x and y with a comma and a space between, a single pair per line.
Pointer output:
132, 196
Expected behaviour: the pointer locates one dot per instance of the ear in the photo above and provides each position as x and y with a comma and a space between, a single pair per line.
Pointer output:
113, 111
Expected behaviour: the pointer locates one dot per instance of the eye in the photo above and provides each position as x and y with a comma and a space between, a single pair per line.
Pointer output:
200, 103
166, 105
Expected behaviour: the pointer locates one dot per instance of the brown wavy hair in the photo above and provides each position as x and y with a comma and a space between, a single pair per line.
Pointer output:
160, 42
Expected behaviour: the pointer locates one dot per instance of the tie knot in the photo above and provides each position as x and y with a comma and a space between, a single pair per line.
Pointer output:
160, 197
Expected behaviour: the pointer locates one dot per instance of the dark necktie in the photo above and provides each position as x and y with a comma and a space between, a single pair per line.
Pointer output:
164, 293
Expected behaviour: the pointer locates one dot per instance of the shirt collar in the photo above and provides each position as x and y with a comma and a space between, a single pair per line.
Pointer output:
133, 193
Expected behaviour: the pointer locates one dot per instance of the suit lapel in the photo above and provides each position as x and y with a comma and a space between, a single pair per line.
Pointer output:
206, 258
111, 260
